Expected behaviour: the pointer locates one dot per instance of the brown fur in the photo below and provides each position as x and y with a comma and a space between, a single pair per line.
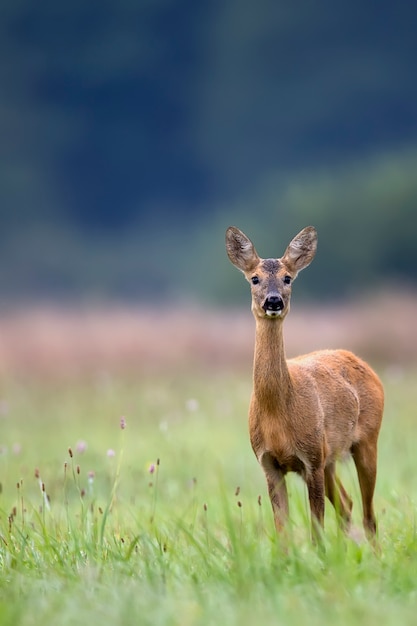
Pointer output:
307, 412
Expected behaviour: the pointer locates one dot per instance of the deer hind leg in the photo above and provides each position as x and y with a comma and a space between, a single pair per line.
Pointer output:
338, 496
277, 489
364, 456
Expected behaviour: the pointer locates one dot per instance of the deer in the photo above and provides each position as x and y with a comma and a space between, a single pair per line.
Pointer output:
308, 412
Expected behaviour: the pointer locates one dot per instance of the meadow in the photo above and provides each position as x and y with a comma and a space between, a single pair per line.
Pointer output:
130, 495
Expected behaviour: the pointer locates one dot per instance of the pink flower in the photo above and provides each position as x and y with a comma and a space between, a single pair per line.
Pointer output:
192, 405
81, 446
111, 453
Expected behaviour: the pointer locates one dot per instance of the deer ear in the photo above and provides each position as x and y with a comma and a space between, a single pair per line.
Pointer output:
240, 250
301, 250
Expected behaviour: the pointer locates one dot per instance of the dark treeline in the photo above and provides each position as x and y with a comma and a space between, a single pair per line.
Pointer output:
134, 133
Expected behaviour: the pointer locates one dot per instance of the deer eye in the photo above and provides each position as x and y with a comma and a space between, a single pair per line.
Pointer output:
287, 280
255, 280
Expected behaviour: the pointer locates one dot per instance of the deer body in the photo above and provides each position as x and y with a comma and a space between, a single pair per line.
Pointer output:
308, 412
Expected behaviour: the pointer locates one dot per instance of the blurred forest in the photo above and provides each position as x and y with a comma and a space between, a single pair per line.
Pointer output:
134, 133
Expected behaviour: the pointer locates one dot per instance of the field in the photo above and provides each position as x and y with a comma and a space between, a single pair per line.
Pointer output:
129, 493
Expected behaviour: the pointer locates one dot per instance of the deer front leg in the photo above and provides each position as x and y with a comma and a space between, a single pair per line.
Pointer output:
316, 490
277, 490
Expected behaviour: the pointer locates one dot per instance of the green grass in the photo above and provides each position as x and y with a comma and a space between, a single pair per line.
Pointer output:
99, 538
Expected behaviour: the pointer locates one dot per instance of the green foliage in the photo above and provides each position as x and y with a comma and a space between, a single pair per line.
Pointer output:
133, 134
364, 214
185, 540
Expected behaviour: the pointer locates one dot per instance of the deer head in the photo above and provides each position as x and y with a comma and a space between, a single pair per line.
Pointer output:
271, 279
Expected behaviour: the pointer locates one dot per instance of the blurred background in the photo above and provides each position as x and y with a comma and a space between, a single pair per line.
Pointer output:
134, 133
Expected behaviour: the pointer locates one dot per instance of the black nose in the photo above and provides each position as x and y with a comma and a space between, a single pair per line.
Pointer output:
273, 303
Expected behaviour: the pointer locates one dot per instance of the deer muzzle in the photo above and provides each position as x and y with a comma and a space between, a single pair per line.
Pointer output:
273, 305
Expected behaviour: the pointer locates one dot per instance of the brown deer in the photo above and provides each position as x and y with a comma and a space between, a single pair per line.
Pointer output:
308, 412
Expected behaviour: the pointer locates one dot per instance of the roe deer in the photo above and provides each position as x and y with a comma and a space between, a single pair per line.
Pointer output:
310, 411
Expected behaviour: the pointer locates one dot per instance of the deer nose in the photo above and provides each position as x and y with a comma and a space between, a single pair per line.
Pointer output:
273, 302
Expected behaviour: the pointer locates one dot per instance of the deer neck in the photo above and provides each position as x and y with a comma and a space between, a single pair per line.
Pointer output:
271, 378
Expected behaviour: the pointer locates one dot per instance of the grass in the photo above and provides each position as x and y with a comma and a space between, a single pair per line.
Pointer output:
167, 520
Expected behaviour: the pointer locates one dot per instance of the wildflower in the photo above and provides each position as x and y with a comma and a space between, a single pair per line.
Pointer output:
111, 453
81, 446
151, 468
90, 478
237, 492
122, 423
192, 404
70, 452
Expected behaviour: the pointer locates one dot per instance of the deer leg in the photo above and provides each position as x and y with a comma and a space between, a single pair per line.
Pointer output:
277, 490
338, 496
316, 490
364, 456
